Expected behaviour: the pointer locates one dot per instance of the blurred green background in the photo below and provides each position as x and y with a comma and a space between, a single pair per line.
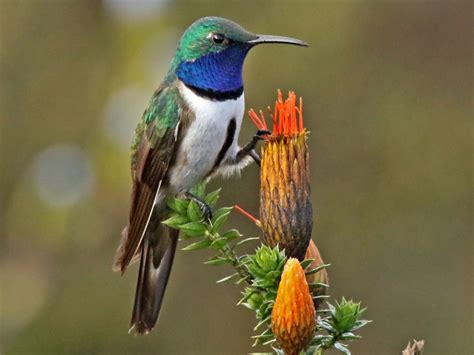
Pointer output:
387, 87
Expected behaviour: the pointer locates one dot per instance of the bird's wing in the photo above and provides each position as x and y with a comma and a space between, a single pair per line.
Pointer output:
152, 150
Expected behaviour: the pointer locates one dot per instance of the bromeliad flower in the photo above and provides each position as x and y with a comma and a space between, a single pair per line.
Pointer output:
285, 197
293, 315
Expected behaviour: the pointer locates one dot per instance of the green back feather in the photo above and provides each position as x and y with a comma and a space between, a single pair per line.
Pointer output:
162, 114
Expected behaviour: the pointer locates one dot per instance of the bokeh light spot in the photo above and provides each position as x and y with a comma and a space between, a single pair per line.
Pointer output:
62, 175
134, 11
122, 113
28, 294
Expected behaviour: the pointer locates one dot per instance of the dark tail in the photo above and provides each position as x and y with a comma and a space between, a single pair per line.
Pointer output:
157, 253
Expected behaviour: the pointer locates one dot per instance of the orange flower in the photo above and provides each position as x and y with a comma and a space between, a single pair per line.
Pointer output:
287, 117
285, 196
293, 315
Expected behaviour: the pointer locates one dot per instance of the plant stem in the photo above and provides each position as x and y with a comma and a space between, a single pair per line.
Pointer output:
229, 253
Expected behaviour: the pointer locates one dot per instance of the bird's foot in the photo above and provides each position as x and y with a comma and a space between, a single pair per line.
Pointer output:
205, 208
249, 148
260, 135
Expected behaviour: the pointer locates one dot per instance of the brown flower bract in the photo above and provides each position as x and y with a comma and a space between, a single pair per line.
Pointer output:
285, 196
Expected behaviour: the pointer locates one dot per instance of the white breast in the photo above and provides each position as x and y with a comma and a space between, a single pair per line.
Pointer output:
204, 138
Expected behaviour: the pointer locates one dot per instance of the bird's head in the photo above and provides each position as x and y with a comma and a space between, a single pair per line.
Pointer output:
211, 53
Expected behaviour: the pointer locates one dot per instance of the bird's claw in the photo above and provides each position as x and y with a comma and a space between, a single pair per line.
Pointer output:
261, 134
206, 210
248, 149
203, 206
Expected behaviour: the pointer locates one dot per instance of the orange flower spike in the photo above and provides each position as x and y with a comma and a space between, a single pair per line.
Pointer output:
300, 111
259, 122
293, 315
286, 116
248, 215
291, 113
275, 119
284, 179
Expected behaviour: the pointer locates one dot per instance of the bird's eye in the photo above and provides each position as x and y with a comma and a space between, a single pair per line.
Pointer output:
218, 38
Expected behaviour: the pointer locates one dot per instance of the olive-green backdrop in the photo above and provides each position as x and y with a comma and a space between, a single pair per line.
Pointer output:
387, 89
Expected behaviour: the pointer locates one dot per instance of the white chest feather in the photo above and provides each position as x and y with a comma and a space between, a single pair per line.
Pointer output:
205, 138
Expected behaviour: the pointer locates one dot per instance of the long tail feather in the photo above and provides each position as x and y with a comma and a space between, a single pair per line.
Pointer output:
157, 253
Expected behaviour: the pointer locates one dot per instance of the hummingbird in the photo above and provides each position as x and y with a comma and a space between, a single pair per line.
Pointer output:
188, 133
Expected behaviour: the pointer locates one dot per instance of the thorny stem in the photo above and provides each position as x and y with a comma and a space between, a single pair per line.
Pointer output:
227, 252
230, 254
330, 344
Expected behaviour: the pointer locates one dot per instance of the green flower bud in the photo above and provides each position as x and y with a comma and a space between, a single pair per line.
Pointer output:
345, 314
255, 300
266, 259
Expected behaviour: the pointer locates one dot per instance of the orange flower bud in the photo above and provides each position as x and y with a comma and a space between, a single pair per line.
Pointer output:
320, 276
293, 315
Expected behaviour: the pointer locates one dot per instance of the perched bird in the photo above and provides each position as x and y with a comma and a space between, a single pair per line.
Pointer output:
188, 132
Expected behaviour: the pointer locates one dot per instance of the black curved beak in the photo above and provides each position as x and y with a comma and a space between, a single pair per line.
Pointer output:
276, 39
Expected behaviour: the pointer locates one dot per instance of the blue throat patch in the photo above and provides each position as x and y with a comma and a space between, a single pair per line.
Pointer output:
219, 72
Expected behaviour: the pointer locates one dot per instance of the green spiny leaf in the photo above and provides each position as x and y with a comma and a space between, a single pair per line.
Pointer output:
318, 284
327, 326
262, 322
175, 221
320, 297
268, 342
224, 279
264, 283
247, 305
360, 323
199, 189
242, 279
319, 338
178, 205
217, 260
194, 229
255, 271
221, 211
194, 212
349, 336
273, 275
171, 203
342, 348
218, 220
323, 310
232, 234
212, 197
281, 352
245, 241
266, 335
249, 293
305, 263
243, 259
198, 245
317, 269
218, 243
